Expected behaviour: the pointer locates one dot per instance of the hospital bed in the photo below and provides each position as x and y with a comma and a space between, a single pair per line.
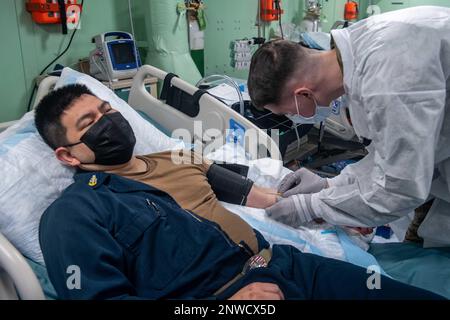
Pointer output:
19, 280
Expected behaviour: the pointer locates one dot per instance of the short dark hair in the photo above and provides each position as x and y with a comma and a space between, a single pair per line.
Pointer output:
271, 67
49, 110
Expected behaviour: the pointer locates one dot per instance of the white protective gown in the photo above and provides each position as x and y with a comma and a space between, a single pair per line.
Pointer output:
397, 77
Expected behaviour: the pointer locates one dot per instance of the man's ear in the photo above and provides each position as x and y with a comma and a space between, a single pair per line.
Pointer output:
63, 154
303, 91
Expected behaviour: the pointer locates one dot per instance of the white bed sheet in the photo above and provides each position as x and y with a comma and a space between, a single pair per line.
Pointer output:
322, 239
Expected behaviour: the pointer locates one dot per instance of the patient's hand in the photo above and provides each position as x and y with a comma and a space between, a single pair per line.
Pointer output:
259, 291
261, 198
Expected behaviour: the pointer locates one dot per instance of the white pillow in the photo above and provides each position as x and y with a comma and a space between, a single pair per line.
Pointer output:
32, 178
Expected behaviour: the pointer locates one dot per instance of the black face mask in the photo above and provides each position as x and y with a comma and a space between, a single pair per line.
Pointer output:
111, 139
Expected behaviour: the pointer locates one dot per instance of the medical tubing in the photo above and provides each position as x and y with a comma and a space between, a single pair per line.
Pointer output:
132, 32
232, 82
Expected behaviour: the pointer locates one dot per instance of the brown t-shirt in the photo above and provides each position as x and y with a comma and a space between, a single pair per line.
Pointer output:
186, 182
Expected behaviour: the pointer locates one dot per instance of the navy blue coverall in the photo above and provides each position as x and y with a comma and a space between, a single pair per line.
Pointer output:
131, 241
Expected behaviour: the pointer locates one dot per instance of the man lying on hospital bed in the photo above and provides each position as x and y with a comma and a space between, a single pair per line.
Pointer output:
128, 238
195, 183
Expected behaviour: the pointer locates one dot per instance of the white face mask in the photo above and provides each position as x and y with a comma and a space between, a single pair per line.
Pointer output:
320, 115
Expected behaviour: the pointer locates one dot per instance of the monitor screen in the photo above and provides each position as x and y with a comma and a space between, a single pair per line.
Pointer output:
123, 53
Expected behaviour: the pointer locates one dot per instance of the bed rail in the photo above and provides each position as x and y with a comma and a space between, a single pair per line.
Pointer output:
17, 279
214, 121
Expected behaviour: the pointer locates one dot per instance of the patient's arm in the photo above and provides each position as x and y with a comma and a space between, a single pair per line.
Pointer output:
236, 188
102, 277
260, 197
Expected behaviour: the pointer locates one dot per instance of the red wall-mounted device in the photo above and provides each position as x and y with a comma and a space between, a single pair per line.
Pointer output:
270, 10
62, 12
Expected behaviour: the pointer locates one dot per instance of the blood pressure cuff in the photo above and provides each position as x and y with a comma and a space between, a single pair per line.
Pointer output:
229, 182
237, 168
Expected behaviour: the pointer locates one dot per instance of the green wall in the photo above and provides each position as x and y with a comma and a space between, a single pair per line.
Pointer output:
12, 75
391, 5
28, 47
235, 19
231, 20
